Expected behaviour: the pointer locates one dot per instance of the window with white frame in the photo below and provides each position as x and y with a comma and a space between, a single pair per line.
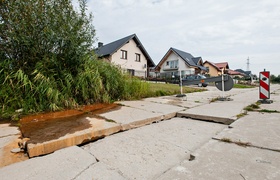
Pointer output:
123, 54
173, 64
137, 57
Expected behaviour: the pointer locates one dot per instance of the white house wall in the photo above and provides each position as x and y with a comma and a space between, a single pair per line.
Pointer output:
182, 66
131, 63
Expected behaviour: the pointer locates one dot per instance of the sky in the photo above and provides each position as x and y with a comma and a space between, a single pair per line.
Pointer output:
216, 30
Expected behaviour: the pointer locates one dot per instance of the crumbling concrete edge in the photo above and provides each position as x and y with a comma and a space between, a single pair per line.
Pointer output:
222, 120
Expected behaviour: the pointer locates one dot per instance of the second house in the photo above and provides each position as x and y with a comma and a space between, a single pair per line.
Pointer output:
176, 61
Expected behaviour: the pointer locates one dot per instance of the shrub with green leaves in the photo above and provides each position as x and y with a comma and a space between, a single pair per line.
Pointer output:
46, 59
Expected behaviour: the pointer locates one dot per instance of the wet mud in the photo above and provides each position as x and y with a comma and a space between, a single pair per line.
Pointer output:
49, 126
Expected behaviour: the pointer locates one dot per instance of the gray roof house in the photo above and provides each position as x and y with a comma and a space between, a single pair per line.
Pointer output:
247, 73
129, 54
176, 60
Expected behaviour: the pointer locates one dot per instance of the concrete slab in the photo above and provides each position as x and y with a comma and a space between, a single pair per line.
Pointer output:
6, 156
259, 129
131, 117
146, 152
7, 130
219, 161
99, 128
101, 171
275, 97
164, 109
222, 111
67, 163
9, 138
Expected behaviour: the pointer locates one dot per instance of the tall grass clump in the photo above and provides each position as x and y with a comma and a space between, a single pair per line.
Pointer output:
46, 60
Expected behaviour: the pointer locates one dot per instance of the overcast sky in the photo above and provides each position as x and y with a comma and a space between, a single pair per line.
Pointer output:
216, 30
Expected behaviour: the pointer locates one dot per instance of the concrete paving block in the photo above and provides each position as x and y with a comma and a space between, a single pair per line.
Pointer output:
100, 171
223, 112
146, 152
275, 97
99, 128
67, 163
7, 130
152, 107
219, 161
259, 129
7, 144
129, 117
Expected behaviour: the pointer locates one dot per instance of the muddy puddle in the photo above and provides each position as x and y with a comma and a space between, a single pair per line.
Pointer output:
49, 126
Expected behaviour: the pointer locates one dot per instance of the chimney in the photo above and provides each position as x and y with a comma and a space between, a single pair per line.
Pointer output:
100, 44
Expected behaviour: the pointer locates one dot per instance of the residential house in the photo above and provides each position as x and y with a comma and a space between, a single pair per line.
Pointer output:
129, 54
216, 69
176, 61
235, 74
246, 73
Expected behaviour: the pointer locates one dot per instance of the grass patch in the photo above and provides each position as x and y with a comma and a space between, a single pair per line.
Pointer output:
252, 107
268, 111
256, 107
161, 89
241, 115
242, 86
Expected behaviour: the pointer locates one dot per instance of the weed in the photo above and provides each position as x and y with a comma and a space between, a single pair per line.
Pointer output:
110, 120
252, 107
227, 140
243, 144
241, 114
242, 86
269, 111
214, 99
197, 101
239, 143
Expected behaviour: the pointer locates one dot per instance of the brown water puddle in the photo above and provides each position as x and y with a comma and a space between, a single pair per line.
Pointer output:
49, 126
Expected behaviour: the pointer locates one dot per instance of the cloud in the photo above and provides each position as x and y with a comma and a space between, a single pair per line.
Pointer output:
223, 30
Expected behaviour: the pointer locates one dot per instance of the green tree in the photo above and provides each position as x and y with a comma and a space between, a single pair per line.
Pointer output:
43, 46
46, 59
48, 32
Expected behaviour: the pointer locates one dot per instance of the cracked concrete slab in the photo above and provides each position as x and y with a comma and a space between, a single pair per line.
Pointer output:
146, 152
7, 130
259, 129
222, 111
131, 117
102, 171
152, 107
275, 92
99, 128
67, 163
218, 160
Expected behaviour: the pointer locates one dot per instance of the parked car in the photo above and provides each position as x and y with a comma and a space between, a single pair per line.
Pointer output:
197, 77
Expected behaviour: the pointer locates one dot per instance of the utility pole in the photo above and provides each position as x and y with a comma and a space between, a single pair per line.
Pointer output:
248, 64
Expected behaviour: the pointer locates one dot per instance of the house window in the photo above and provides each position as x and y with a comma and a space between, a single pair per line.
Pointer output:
123, 54
137, 57
174, 64
167, 63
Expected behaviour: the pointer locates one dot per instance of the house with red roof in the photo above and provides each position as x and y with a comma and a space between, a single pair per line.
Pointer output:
216, 69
